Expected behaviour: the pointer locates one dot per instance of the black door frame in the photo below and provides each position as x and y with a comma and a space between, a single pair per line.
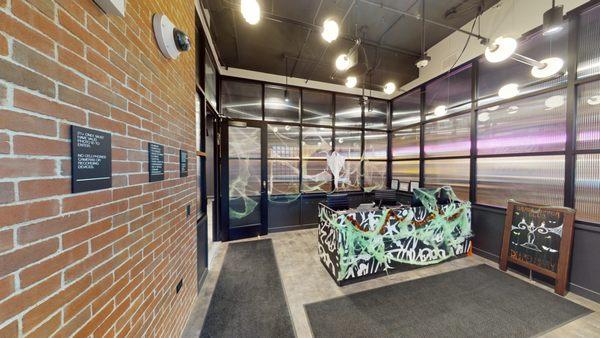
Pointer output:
228, 233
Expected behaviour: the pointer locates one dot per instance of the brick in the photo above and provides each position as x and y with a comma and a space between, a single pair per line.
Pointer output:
37, 314
28, 145
3, 92
12, 329
33, 189
49, 327
108, 238
51, 227
74, 324
106, 95
96, 320
6, 240
27, 123
83, 101
103, 123
73, 8
50, 266
3, 45
26, 35
46, 7
4, 145
41, 105
79, 31
13, 214
106, 65
24, 77
7, 287
23, 257
21, 167
87, 200
85, 233
108, 210
72, 60
41, 64
87, 264
7, 192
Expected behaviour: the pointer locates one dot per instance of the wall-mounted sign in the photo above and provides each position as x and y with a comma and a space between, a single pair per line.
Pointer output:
183, 163
156, 162
90, 160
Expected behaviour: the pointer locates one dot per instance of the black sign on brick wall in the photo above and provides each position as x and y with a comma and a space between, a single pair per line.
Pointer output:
91, 167
156, 162
183, 163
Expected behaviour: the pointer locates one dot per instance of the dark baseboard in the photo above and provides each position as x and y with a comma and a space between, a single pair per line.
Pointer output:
293, 227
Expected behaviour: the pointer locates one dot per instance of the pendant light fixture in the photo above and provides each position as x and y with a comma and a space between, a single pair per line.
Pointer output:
389, 88
351, 81
548, 67
342, 62
331, 30
250, 11
553, 19
501, 49
423, 61
440, 110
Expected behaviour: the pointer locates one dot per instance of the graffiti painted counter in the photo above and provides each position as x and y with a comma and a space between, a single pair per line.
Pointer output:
355, 243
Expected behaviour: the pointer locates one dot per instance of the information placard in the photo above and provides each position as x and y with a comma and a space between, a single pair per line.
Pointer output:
156, 162
183, 163
90, 160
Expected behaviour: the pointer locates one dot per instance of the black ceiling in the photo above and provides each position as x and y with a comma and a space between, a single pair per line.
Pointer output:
285, 29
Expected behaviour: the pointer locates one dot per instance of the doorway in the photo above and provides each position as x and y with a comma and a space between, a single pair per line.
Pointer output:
244, 185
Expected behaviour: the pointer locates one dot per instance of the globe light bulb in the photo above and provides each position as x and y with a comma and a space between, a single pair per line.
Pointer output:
331, 30
342, 62
351, 81
250, 11
389, 88
501, 49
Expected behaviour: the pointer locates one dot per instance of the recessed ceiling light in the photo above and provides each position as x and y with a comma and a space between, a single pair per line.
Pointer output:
389, 88
330, 30
251, 11
501, 49
440, 110
551, 67
351, 81
508, 91
342, 62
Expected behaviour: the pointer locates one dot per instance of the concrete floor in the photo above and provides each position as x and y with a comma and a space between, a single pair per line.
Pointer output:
306, 281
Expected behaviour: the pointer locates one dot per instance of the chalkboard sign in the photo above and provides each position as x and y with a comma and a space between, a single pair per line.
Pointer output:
156, 162
183, 163
90, 160
540, 239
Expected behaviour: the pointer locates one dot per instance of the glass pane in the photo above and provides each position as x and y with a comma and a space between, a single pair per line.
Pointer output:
284, 177
448, 137
210, 80
376, 145
405, 143
376, 114
406, 109
350, 176
316, 142
588, 116
276, 106
348, 112
452, 91
589, 33
317, 107
405, 171
587, 188
241, 100
375, 175
315, 176
348, 143
533, 124
492, 76
244, 176
283, 141
536, 179
454, 172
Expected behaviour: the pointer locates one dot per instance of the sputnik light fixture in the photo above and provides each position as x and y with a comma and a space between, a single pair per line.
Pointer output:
351, 81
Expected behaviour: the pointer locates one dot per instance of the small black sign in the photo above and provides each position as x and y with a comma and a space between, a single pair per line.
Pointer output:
90, 160
156, 162
183, 163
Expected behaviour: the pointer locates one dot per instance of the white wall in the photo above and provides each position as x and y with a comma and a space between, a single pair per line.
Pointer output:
508, 18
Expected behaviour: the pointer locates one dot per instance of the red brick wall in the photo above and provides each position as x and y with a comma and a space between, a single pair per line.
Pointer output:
105, 262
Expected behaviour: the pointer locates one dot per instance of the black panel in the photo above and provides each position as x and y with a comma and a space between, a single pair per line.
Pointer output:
310, 209
156, 162
585, 268
183, 163
488, 226
284, 211
91, 165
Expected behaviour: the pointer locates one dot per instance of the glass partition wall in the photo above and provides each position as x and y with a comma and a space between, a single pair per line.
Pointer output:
540, 146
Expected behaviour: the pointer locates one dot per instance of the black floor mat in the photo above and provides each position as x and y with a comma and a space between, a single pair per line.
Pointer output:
248, 300
474, 302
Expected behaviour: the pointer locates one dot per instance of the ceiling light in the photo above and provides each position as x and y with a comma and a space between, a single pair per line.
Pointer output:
351, 81
251, 11
501, 49
341, 141
275, 129
286, 96
287, 128
551, 67
342, 62
594, 100
440, 110
330, 30
389, 88
423, 61
553, 20
483, 117
508, 91
554, 101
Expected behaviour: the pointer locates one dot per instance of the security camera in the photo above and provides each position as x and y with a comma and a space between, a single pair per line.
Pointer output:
171, 40
423, 61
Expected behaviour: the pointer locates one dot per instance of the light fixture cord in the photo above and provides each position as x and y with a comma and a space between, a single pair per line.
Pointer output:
423, 28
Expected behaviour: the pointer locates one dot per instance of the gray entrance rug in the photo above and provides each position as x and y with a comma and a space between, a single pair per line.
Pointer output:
248, 300
474, 302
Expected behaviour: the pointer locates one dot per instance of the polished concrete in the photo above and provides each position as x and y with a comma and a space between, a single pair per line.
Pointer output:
306, 281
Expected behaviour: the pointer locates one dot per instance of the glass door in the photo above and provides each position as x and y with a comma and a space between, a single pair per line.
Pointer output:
244, 196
